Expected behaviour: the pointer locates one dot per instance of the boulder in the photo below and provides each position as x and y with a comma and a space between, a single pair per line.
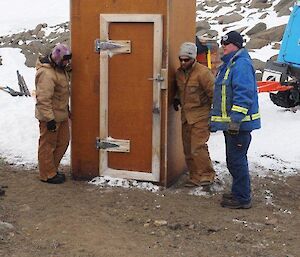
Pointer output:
40, 34
257, 28
274, 34
274, 58
211, 3
200, 7
202, 25
259, 1
282, 8
207, 33
258, 75
257, 43
37, 29
226, 19
276, 46
263, 16
260, 4
259, 65
31, 59
240, 30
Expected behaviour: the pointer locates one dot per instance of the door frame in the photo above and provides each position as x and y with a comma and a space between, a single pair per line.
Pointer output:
156, 19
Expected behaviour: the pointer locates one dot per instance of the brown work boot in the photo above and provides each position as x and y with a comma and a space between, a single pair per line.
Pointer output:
191, 183
206, 182
202, 182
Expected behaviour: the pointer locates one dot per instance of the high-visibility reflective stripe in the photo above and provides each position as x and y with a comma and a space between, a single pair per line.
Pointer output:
227, 73
237, 108
223, 102
228, 119
255, 116
220, 119
224, 112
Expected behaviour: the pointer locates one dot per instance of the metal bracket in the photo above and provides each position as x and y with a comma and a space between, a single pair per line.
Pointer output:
159, 79
110, 144
113, 47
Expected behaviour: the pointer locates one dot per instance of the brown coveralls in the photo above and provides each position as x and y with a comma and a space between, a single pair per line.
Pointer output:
195, 89
52, 103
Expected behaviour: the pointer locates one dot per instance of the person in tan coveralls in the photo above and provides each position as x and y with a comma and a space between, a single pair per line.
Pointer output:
194, 88
52, 111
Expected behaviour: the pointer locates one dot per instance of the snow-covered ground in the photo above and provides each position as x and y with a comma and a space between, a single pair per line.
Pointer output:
274, 148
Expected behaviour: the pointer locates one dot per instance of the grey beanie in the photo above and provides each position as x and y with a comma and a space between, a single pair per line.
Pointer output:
188, 49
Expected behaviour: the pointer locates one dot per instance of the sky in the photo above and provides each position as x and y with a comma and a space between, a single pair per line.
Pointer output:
274, 148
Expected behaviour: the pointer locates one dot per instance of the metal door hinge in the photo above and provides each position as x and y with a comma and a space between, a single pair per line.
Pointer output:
113, 47
110, 144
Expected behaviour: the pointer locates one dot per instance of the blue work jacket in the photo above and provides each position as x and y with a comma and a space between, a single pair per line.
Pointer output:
235, 94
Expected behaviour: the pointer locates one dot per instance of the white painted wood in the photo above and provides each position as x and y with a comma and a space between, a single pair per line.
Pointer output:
156, 19
103, 106
128, 174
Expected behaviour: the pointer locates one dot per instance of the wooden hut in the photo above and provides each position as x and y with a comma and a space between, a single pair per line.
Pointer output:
125, 54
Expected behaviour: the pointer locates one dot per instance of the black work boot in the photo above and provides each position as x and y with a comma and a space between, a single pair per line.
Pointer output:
227, 195
235, 204
61, 174
55, 180
2, 191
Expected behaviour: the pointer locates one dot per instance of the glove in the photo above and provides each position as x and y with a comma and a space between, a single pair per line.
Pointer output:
233, 128
176, 104
51, 125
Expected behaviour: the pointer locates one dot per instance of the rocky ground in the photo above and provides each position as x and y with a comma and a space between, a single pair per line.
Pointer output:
77, 219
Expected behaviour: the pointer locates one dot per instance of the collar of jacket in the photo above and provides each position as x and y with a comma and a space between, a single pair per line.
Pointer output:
232, 56
226, 58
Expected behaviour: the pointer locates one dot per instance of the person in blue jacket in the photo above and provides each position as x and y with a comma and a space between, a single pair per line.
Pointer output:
235, 111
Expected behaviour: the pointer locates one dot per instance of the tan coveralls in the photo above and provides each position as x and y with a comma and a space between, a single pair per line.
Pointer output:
52, 103
195, 90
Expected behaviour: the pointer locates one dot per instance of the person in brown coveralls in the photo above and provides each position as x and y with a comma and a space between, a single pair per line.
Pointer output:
194, 92
52, 111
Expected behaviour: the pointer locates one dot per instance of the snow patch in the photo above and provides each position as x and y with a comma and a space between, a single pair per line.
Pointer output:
107, 181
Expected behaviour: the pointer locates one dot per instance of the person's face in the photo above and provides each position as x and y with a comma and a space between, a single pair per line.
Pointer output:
186, 62
66, 61
228, 47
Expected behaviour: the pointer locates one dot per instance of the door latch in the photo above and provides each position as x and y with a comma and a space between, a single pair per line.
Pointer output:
159, 78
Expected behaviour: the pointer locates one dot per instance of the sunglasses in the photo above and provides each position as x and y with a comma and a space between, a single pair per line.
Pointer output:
184, 59
67, 57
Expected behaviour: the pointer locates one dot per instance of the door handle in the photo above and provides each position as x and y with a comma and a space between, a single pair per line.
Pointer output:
159, 79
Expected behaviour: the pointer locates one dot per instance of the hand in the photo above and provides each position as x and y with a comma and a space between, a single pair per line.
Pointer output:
51, 125
176, 104
233, 128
